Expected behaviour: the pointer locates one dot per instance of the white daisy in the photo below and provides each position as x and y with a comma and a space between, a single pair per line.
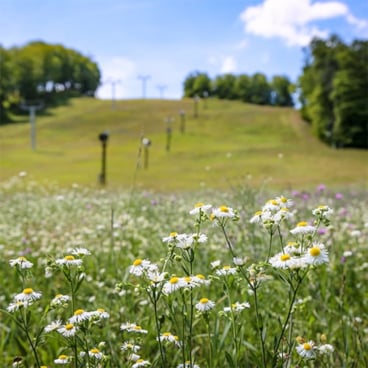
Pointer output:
22, 262
168, 336
95, 353
271, 205
60, 300
237, 307
175, 283
205, 305
316, 255
223, 211
69, 260
53, 326
283, 260
200, 207
326, 349
141, 363
171, 238
284, 202
79, 252
62, 359
132, 327
68, 330
303, 228
140, 266
226, 270
13, 307
100, 313
189, 281
130, 347
306, 350
27, 296
201, 279
323, 211
256, 218
79, 316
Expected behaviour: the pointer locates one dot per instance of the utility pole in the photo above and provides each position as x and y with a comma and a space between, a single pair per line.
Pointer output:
144, 79
161, 88
32, 119
113, 83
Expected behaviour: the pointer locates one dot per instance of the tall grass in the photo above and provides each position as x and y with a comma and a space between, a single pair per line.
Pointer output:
113, 279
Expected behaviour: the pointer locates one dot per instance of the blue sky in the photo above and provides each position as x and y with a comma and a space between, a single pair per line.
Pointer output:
168, 39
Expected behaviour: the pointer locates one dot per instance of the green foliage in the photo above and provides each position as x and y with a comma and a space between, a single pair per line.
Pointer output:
41, 72
334, 87
254, 89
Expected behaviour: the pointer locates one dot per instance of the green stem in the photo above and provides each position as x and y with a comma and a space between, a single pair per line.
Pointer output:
259, 326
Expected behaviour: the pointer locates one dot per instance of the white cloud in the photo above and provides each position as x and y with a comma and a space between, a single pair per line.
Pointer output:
116, 72
228, 65
291, 20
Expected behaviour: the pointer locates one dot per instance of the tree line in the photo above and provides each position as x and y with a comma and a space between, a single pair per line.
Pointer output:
44, 73
334, 91
248, 88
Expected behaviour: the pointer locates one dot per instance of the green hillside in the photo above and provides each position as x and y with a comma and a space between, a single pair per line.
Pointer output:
227, 142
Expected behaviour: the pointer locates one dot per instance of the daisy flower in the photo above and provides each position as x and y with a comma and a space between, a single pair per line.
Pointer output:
200, 207
95, 353
226, 270
139, 266
303, 228
130, 347
237, 307
13, 307
69, 260
306, 350
60, 300
100, 313
132, 327
171, 238
316, 255
200, 279
323, 211
205, 305
223, 211
256, 218
62, 359
326, 349
240, 261
168, 336
271, 205
141, 363
284, 202
189, 281
27, 296
215, 264
22, 262
283, 260
79, 252
80, 315
173, 284
53, 326
68, 330
282, 214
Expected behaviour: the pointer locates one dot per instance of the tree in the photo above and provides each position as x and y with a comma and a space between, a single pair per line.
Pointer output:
260, 90
242, 88
224, 86
281, 91
196, 84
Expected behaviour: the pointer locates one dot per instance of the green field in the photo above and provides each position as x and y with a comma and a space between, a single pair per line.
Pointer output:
228, 142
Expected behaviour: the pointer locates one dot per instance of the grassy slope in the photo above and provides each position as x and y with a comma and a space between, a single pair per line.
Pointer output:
228, 141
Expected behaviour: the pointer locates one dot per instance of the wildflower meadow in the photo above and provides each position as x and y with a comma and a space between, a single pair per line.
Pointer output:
243, 278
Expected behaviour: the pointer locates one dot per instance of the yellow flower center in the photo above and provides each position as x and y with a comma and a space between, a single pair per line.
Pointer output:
137, 328
302, 223
69, 326
226, 268
283, 199
78, 312
187, 279
307, 346
173, 234
314, 251
292, 244
100, 310
94, 351
204, 301
274, 202
63, 357
69, 258
22, 259
284, 257
174, 280
322, 207
166, 334
199, 204
139, 361
28, 291
200, 276
224, 209
137, 262
58, 295
258, 213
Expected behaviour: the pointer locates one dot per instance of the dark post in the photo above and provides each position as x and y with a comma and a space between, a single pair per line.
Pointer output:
146, 143
196, 99
205, 97
103, 137
168, 133
182, 121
